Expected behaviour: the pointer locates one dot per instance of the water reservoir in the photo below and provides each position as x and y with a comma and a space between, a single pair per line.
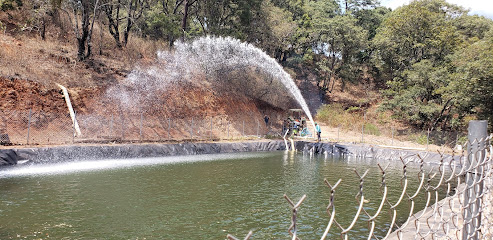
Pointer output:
190, 197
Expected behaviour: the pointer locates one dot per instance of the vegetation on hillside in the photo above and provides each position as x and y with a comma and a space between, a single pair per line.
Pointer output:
430, 59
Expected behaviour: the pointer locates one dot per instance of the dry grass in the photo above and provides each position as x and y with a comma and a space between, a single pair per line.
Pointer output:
24, 55
334, 134
352, 124
139, 48
30, 59
352, 118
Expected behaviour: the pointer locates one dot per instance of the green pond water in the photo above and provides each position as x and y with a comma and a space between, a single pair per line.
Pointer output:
190, 197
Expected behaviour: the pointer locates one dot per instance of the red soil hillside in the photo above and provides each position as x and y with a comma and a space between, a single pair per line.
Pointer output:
185, 105
30, 68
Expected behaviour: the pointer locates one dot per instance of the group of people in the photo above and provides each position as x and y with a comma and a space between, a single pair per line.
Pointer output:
299, 127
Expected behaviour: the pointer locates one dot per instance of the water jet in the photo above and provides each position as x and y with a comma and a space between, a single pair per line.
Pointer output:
211, 58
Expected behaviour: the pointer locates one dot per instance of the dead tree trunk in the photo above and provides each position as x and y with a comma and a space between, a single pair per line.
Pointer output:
83, 11
184, 19
135, 10
112, 11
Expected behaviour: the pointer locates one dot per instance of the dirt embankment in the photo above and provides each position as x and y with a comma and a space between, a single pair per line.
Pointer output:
181, 102
30, 68
22, 95
231, 113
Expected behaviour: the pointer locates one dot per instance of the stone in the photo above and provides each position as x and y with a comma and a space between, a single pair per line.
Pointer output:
4, 139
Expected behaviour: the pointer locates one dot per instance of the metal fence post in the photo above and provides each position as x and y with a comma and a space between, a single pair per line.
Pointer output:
427, 139
111, 125
362, 133
169, 128
477, 131
140, 130
191, 129
73, 133
258, 128
338, 129
123, 126
392, 130
363, 128
29, 125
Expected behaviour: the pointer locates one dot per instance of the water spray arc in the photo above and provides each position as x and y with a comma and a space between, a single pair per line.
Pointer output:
217, 52
211, 58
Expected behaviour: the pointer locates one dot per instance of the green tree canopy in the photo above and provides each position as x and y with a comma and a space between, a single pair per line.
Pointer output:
339, 39
6, 5
421, 30
430, 55
472, 83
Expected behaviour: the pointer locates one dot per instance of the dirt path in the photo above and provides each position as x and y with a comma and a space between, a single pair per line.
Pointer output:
338, 135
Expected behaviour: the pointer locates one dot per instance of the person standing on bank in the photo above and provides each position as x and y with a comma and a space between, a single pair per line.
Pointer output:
319, 132
266, 119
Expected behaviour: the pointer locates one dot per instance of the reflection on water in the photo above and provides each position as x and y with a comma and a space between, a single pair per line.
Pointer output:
190, 197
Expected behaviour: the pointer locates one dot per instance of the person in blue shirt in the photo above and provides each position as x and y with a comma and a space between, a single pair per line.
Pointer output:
317, 129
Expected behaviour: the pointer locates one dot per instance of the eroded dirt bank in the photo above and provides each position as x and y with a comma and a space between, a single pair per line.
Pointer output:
231, 113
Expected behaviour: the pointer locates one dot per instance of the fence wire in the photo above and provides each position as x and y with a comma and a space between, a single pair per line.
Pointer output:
464, 211
53, 128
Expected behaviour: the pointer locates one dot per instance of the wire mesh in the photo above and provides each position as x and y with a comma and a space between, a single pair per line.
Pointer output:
35, 128
52, 128
464, 211
457, 192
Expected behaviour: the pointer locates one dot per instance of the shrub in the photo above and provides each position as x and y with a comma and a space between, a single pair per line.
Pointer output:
268, 136
371, 129
6, 5
335, 116
421, 139
353, 109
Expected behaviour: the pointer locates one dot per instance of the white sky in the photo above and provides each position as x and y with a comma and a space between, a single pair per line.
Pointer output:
480, 7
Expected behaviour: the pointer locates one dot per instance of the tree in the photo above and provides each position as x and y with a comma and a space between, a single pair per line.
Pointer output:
281, 30
157, 24
41, 11
421, 30
371, 19
471, 84
170, 20
417, 99
6, 5
295, 7
235, 18
84, 14
339, 39
127, 11
472, 28
433, 58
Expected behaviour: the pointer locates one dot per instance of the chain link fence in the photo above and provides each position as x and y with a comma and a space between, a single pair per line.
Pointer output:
392, 136
48, 128
458, 193
53, 128
29, 127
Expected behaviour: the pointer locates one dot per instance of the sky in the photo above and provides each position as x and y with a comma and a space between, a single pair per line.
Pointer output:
480, 7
